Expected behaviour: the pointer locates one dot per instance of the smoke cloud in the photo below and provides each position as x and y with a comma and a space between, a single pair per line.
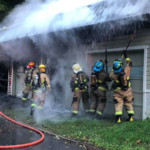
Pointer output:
38, 16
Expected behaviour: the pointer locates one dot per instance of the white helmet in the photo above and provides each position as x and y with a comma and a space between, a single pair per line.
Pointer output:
76, 68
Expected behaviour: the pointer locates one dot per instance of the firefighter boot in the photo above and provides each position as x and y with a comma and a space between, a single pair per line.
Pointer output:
24, 99
118, 119
74, 115
88, 115
98, 117
130, 117
32, 111
24, 103
92, 115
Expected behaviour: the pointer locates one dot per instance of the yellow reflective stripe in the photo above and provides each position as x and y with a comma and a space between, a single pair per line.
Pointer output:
38, 91
128, 78
100, 81
75, 112
85, 87
117, 81
92, 110
33, 105
129, 84
84, 80
118, 88
48, 86
75, 82
40, 107
29, 84
130, 112
24, 99
83, 90
118, 113
99, 113
76, 89
128, 59
102, 88
96, 80
87, 110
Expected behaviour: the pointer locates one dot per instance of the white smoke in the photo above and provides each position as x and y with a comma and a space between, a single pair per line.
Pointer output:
37, 16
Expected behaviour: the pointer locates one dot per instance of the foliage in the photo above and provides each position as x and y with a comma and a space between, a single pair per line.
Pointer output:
6, 6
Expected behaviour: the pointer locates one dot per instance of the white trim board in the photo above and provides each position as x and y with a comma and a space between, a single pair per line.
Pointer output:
141, 47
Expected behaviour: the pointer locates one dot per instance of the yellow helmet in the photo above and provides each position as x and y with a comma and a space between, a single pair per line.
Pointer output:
42, 66
76, 68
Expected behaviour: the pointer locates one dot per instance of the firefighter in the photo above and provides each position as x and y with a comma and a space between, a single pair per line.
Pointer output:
99, 79
123, 94
79, 87
41, 85
28, 81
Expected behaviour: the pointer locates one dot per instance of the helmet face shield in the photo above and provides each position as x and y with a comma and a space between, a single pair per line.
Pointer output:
42, 70
98, 66
76, 68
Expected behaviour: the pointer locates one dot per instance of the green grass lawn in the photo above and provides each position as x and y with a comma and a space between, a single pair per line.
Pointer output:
124, 136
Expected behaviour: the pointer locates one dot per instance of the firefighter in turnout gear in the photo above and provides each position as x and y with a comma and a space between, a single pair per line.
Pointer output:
79, 87
41, 85
99, 79
28, 81
123, 94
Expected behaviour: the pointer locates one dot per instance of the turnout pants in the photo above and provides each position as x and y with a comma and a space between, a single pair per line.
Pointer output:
98, 101
38, 99
124, 98
76, 101
26, 91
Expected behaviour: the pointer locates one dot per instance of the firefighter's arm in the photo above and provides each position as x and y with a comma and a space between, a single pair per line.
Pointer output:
86, 78
48, 83
108, 79
111, 76
129, 62
73, 82
35, 72
25, 76
127, 69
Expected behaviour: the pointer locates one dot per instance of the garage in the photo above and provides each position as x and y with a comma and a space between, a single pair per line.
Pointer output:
136, 77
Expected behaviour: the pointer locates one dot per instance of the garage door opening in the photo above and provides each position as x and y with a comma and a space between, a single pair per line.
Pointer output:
3, 77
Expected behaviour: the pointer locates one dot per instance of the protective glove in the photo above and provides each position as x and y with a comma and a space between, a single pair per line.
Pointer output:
125, 53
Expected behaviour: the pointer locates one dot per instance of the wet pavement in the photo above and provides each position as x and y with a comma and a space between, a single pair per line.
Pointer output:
11, 134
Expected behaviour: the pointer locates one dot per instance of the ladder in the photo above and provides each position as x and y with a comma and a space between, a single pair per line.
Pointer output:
10, 80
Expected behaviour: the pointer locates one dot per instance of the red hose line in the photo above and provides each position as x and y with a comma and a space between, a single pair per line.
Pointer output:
22, 145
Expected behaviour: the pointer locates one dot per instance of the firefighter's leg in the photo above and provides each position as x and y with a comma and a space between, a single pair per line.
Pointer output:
129, 104
85, 100
94, 104
26, 92
76, 103
34, 103
42, 100
101, 104
118, 100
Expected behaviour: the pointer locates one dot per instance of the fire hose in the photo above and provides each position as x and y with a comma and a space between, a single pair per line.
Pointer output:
22, 145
